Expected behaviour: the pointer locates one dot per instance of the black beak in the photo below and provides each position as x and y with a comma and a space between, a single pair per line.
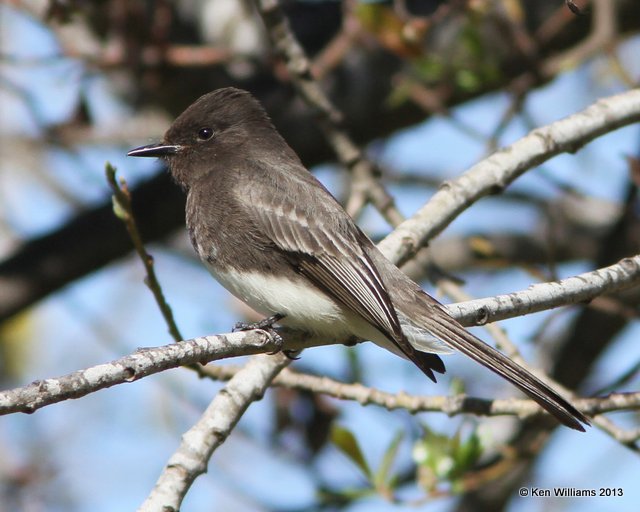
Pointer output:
155, 150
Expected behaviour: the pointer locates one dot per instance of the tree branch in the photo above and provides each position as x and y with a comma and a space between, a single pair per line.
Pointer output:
200, 441
331, 121
450, 405
544, 296
496, 172
144, 362
205, 349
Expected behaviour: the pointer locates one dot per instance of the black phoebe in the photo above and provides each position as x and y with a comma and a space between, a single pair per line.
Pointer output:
278, 240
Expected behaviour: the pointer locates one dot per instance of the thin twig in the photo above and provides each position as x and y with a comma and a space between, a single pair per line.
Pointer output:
365, 186
124, 211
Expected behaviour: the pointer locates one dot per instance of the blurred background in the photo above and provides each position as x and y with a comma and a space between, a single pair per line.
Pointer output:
428, 88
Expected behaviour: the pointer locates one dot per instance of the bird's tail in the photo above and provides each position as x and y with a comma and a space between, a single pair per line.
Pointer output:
451, 332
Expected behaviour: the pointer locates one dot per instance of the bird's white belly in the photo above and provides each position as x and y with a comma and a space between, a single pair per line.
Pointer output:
303, 305
306, 308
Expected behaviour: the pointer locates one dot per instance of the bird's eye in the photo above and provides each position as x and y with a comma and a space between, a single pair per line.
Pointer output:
205, 133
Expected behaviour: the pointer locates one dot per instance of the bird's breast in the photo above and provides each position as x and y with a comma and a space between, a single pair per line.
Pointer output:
304, 306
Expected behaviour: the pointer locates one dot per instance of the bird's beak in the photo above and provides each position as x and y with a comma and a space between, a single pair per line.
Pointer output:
155, 150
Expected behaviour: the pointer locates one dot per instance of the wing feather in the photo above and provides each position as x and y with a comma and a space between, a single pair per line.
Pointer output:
462, 340
325, 245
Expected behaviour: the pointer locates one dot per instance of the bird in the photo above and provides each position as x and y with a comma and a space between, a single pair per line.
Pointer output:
278, 240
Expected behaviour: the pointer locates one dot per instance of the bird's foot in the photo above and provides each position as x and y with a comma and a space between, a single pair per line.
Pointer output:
266, 324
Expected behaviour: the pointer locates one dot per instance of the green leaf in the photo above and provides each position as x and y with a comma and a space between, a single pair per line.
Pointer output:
381, 478
348, 444
430, 68
118, 210
442, 458
457, 386
434, 450
468, 452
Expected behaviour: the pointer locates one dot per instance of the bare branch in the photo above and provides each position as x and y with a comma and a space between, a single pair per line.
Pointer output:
544, 296
209, 348
450, 405
497, 171
144, 362
602, 37
200, 441
365, 186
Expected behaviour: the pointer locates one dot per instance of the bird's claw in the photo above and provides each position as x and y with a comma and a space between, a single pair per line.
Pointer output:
292, 354
266, 325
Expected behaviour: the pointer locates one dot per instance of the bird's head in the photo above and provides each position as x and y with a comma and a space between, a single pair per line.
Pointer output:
219, 124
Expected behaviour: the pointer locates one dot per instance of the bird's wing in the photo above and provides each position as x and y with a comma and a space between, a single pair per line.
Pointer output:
323, 243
